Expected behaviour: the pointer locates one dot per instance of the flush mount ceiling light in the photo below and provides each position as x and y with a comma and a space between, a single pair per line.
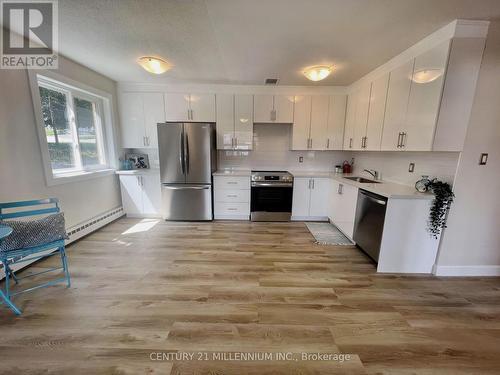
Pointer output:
426, 75
154, 65
318, 72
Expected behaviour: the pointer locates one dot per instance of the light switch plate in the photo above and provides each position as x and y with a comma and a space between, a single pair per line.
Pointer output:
483, 159
301, 159
411, 167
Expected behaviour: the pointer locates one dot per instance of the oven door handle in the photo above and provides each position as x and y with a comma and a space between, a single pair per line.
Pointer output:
270, 184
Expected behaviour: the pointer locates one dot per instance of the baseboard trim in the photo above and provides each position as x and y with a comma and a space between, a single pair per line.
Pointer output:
82, 229
467, 270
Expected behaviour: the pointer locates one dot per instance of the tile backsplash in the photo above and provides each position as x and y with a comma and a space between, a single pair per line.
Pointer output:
393, 166
271, 150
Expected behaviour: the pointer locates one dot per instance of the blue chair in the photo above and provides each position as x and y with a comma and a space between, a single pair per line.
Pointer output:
31, 209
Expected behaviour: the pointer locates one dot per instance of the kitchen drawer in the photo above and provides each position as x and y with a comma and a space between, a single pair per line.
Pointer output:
230, 209
232, 196
233, 183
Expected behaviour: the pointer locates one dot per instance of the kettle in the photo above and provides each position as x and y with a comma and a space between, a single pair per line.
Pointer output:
346, 167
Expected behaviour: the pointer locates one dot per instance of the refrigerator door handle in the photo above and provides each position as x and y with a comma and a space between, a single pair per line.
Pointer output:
185, 187
186, 152
181, 154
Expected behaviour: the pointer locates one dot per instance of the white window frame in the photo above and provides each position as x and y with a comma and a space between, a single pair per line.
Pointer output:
103, 121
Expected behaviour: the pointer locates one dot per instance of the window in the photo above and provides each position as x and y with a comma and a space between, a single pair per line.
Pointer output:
73, 124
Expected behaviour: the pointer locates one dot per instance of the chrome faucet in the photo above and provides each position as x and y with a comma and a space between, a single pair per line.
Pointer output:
373, 172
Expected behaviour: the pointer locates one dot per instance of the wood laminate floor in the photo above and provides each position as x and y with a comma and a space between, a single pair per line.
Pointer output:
149, 288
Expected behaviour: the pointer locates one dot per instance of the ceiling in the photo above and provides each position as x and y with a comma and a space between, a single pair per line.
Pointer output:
247, 41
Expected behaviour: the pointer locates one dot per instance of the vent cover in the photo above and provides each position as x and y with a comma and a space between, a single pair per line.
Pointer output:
272, 81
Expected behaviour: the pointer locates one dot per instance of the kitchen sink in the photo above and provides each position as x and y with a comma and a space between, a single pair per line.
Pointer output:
362, 180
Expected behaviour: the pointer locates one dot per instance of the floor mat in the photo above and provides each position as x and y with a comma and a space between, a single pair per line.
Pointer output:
327, 234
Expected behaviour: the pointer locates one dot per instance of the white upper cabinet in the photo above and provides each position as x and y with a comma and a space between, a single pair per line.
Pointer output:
396, 106
234, 122
273, 108
243, 122
132, 119
336, 122
350, 121
139, 114
424, 100
376, 113
202, 107
283, 105
177, 107
302, 123
225, 121
361, 116
263, 108
319, 122
154, 112
429, 98
190, 107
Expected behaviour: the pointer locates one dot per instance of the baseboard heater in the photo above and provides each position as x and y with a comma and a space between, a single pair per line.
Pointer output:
78, 231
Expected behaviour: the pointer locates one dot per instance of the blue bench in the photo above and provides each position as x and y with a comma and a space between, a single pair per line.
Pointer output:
30, 209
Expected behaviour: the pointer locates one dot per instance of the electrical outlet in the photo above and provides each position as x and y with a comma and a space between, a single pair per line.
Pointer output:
411, 167
483, 159
301, 159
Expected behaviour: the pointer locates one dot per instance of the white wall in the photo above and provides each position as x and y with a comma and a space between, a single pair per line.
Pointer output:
393, 166
471, 243
272, 151
21, 169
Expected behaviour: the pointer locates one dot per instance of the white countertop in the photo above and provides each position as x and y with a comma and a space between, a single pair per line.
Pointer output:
233, 172
317, 174
138, 171
385, 188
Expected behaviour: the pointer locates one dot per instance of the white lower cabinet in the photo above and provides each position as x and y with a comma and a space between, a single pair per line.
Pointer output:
342, 207
232, 197
310, 198
141, 194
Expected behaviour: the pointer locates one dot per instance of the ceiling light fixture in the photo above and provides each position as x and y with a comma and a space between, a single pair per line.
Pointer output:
318, 72
427, 75
154, 65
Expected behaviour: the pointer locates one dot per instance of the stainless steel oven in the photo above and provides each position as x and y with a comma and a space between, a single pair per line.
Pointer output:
271, 196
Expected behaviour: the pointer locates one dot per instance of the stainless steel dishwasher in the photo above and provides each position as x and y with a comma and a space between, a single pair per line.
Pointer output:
369, 222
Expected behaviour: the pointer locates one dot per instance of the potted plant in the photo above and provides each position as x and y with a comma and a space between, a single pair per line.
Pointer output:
443, 198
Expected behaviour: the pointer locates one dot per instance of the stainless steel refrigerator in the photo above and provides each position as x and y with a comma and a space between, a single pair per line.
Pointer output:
188, 158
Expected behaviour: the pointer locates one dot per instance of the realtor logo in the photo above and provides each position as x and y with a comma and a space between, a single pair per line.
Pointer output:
29, 34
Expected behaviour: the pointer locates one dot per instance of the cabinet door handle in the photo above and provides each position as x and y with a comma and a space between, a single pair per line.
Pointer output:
403, 139
232, 209
340, 189
313, 183
350, 142
231, 196
273, 115
328, 143
235, 142
309, 187
399, 139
